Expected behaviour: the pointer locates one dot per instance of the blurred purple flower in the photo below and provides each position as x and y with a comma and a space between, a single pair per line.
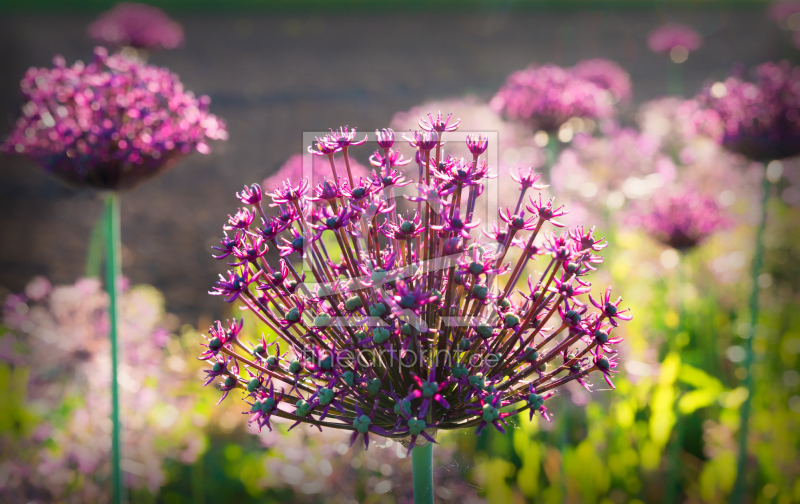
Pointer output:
670, 36
608, 75
761, 119
60, 335
682, 221
136, 25
546, 96
781, 11
109, 124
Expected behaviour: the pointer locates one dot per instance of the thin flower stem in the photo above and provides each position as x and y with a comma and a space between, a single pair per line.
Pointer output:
739, 488
113, 278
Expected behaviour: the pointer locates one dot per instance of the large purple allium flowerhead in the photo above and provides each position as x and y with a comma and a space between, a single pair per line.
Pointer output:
608, 75
546, 96
761, 119
683, 220
416, 322
136, 25
671, 37
110, 124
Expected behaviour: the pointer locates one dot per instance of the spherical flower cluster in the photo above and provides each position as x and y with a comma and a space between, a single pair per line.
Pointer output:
682, 221
608, 75
136, 25
109, 124
668, 37
546, 96
58, 336
761, 119
416, 322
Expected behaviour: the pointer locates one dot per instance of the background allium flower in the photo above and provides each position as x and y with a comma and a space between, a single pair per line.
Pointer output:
670, 36
682, 221
61, 336
761, 119
136, 25
675, 146
546, 96
781, 11
109, 124
608, 75
397, 339
292, 169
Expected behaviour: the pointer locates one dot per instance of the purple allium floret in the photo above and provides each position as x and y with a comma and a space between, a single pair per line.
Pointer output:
413, 319
110, 124
760, 119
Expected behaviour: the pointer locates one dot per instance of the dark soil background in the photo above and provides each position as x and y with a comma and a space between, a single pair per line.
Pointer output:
273, 77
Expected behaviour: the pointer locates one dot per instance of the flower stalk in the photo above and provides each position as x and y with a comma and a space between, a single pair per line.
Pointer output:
739, 488
113, 277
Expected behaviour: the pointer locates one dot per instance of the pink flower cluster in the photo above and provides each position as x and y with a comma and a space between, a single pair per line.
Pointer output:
608, 75
110, 124
669, 36
761, 119
59, 339
546, 96
136, 25
683, 220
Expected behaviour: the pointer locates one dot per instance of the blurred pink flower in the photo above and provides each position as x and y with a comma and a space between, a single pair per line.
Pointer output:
781, 11
681, 220
546, 96
62, 338
608, 75
669, 36
136, 25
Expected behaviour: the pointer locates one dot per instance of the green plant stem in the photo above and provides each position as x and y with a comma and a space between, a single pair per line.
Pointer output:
675, 79
96, 249
422, 469
744, 414
113, 276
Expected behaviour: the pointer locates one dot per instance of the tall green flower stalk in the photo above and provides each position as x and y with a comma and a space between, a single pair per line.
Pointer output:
739, 488
113, 278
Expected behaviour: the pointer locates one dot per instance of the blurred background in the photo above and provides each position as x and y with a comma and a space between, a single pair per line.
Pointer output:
272, 71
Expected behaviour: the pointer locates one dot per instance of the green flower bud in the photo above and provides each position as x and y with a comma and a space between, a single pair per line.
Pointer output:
322, 320
353, 303
253, 384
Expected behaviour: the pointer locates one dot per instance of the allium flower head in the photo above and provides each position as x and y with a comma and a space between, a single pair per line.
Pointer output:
422, 325
546, 96
110, 124
667, 37
781, 11
683, 221
136, 25
608, 75
761, 119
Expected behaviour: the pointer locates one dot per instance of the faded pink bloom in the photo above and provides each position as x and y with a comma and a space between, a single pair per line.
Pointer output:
136, 25
780, 12
682, 220
669, 36
608, 75
546, 96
